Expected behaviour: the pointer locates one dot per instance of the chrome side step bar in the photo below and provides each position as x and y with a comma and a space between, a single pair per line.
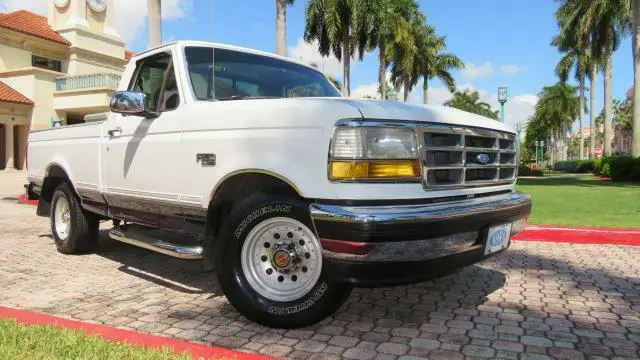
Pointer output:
137, 238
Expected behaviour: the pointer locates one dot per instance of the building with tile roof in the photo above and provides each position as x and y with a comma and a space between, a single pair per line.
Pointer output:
55, 70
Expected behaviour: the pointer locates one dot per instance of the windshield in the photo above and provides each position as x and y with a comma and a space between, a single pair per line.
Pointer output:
240, 75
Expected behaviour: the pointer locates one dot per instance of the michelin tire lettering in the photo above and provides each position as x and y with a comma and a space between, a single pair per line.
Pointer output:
254, 215
317, 294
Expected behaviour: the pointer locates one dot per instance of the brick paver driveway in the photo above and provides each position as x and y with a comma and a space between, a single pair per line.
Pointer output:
536, 300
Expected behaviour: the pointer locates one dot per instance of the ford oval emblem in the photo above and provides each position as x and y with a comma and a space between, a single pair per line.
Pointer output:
498, 238
483, 158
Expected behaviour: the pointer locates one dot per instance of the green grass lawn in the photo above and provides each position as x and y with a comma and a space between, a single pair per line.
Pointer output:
18, 341
582, 201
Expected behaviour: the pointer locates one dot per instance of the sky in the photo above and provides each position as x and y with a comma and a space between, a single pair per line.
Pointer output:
502, 42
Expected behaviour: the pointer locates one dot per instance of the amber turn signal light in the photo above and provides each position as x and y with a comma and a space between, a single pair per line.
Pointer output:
381, 169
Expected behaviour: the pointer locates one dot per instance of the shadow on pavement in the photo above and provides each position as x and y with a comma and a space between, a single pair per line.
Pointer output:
179, 275
466, 288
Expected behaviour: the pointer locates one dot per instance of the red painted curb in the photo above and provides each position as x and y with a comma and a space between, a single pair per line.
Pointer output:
580, 235
196, 351
23, 199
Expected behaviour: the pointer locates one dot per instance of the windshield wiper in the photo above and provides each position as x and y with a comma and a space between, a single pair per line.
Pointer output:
244, 97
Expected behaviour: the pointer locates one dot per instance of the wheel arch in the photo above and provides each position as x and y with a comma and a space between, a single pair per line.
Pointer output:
55, 175
231, 189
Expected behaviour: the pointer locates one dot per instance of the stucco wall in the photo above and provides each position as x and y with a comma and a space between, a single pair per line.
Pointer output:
38, 86
13, 58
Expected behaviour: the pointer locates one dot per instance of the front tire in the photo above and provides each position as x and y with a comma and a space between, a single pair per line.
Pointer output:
73, 230
269, 264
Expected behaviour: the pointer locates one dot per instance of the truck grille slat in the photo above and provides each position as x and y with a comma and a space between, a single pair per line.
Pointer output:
455, 156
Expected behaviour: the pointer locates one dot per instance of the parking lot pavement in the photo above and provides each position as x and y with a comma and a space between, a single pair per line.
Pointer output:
536, 300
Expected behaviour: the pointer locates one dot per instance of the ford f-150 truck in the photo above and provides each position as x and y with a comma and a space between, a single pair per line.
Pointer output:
255, 165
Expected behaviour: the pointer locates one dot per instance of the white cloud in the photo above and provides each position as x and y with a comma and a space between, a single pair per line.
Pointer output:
512, 69
308, 53
129, 26
37, 6
471, 71
518, 108
366, 91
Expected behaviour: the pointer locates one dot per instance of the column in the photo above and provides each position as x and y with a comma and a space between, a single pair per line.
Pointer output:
8, 131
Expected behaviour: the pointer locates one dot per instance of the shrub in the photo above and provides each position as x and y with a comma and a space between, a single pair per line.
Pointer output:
584, 166
565, 165
606, 170
529, 171
625, 168
599, 164
575, 166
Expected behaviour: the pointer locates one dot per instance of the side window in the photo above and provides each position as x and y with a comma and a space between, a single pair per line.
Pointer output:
150, 78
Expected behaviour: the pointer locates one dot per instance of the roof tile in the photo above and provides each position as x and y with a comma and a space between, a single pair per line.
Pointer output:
9, 94
30, 23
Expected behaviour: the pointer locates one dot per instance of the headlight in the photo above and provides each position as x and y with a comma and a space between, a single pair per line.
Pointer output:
374, 153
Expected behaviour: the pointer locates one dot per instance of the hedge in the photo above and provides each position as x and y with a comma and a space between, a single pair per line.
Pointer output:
527, 171
618, 168
574, 166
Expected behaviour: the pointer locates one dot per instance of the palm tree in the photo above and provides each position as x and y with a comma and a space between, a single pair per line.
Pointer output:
438, 65
341, 27
154, 23
605, 22
391, 17
576, 55
635, 146
281, 26
469, 100
335, 82
558, 106
410, 42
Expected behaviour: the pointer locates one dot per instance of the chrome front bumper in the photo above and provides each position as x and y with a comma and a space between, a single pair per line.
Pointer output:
399, 244
417, 231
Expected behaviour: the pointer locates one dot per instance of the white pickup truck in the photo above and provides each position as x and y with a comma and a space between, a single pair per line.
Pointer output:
255, 165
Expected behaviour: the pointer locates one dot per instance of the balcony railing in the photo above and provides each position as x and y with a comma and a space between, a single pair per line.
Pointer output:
87, 82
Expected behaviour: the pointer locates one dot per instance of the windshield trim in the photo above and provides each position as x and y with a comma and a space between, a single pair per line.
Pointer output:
213, 47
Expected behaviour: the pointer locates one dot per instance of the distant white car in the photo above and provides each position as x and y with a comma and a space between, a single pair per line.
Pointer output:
258, 166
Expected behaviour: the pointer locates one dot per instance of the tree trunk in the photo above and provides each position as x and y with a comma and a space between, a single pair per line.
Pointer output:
581, 133
635, 139
407, 90
281, 28
592, 109
382, 72
346, 61
608, 100
154, 23
425, 91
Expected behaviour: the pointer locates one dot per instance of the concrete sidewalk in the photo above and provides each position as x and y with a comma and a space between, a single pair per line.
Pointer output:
12, 183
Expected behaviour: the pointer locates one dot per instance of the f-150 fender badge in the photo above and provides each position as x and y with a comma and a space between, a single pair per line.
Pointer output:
206, 160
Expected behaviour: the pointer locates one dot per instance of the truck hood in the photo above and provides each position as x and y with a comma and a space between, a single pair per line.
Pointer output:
394, 110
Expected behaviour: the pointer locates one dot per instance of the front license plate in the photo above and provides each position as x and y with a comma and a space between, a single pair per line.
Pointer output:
497, 238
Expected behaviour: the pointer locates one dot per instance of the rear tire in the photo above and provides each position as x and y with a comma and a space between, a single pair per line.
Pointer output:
74, 230
269, 264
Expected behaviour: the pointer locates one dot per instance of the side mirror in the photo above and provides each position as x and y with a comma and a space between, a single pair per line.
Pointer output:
131, 103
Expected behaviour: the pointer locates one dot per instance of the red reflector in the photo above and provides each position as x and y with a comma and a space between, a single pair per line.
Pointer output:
345, 247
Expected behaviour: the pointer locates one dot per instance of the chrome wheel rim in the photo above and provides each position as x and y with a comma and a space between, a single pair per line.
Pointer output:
62, 218
281, 259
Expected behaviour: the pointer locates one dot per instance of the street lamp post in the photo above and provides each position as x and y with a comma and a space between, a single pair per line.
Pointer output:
502, 99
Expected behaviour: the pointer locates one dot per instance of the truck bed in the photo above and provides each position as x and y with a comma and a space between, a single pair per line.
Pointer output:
76, 148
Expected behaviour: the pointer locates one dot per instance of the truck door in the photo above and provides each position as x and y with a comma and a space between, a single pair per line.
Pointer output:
142, 179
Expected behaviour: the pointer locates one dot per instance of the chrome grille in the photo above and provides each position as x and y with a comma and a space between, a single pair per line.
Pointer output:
455, 156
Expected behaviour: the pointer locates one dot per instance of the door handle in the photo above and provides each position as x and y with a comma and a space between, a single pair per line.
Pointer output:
114, 132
